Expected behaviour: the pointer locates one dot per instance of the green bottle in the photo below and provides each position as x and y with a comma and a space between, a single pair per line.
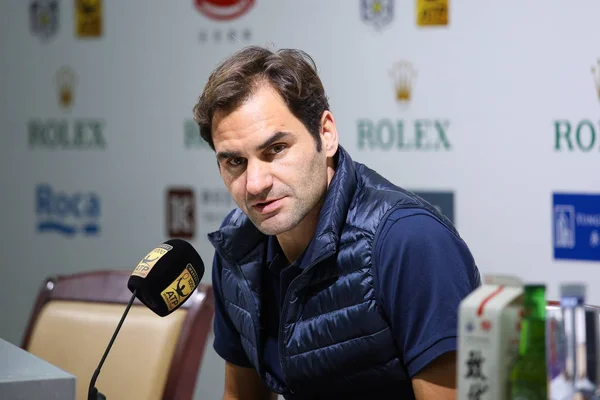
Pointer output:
528, 377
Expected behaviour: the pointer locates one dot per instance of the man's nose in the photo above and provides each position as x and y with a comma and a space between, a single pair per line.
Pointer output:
258, 177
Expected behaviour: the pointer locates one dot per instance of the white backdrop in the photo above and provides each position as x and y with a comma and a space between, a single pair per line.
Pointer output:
495, 80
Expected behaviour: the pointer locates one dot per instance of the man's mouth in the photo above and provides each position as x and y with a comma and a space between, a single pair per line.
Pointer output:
265, 207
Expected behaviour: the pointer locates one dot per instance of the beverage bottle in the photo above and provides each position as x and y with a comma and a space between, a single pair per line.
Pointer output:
576, 363
559, 374
528, 378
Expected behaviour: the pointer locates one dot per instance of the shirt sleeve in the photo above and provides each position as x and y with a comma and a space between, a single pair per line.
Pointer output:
227, 341
423, 273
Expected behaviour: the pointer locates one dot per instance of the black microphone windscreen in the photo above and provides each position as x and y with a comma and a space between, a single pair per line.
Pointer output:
167, 276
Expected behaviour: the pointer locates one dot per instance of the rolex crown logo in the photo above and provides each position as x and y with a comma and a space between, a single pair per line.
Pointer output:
403, 75
66, 80
596, 75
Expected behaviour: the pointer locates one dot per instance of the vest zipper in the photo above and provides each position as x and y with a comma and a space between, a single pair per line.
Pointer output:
284, 312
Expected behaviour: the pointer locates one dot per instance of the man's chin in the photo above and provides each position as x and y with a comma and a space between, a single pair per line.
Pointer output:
272, 226
270, 230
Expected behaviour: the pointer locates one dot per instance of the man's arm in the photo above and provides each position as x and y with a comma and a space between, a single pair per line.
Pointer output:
437, 380
424, 271
244, 384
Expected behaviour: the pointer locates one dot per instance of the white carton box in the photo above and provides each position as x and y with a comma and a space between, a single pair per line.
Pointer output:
488, 338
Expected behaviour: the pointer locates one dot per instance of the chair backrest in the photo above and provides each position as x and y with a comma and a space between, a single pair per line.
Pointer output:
74, 318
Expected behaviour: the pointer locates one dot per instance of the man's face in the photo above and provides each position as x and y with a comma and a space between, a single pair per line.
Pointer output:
269, 162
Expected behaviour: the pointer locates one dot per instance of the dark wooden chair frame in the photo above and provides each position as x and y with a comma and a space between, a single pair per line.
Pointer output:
110, 286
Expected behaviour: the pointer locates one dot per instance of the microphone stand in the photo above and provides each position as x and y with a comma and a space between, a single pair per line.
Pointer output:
93, 393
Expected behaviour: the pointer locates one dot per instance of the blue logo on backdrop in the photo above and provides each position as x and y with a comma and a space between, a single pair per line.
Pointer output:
67, 214
576, 226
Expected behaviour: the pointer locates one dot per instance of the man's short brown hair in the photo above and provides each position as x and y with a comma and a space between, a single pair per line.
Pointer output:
292, 73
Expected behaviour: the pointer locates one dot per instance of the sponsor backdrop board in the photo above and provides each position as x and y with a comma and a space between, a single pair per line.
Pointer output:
489, 111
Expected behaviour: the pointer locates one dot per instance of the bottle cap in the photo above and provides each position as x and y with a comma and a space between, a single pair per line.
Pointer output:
534, 286
572, 290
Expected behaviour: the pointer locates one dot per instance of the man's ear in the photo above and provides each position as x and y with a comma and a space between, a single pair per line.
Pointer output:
329, 135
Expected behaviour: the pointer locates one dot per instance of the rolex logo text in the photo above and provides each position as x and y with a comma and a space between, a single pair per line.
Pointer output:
401, 135
61, 134
583, 136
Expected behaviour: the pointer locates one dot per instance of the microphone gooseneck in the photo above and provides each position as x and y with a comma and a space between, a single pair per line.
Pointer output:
93, 393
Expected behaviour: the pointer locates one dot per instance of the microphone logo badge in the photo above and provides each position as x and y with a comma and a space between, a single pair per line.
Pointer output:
181, 287
148, 262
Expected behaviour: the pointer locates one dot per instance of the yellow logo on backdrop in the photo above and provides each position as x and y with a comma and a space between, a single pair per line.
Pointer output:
88, 18
596, 74
148, 262
432, 12
181, 287
403, 75
66, 80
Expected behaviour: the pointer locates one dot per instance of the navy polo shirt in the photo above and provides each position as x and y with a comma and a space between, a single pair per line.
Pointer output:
423, 273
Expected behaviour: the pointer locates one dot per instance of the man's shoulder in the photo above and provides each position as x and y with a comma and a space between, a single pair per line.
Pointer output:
420, 220
377, 193
411, 225
415, 242
418, 241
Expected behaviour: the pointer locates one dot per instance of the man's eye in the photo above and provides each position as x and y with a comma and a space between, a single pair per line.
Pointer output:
278, 148
236, 162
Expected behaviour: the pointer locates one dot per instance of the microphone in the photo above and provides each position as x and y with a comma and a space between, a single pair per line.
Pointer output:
163, 280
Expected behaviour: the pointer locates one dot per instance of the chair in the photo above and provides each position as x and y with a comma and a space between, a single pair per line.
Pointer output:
75, 316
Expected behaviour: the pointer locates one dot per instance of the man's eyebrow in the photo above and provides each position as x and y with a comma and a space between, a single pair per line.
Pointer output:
223, 155
277, 136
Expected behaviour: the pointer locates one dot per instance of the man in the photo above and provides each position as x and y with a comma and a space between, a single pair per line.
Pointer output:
330, 282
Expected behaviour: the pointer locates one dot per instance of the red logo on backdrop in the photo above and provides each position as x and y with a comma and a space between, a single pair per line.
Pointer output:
223, 10
181, 213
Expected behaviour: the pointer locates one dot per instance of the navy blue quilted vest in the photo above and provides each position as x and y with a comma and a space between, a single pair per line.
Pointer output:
333, 336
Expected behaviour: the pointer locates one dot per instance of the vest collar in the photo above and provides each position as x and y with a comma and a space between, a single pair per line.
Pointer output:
236, 240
